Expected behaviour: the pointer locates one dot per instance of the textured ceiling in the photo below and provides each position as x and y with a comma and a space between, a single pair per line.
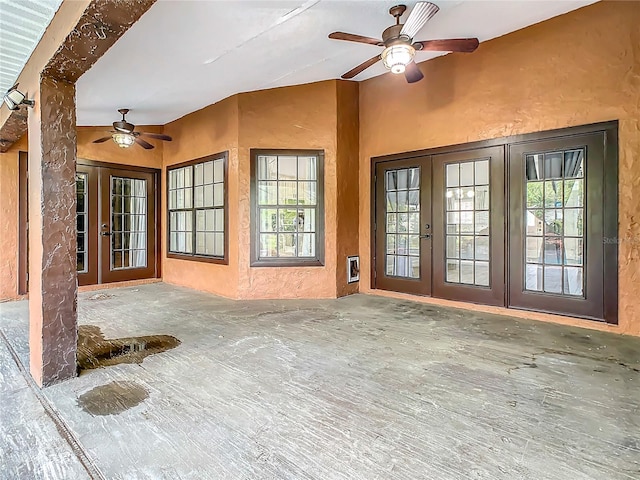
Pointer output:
184, 55
22, 23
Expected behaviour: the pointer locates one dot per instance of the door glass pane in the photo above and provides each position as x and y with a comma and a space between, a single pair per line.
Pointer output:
468, 230
129, 221
82, 221
554, 224
402, 223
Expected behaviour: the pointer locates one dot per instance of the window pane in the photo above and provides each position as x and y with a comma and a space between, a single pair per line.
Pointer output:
208, 195
218, 225
482, 172
267, 167
414, 245
574, 193
466, 272
268, 245
307, 168
553, 165
307, 220
453, 175
482, 248
287, 193
218, 171
573, 222
307, 192
403, 223
467, 248
208, 172
553, 194
391, 181
218, 249
573, 281
414, 267
482, 273
573, 161
198, 200
535, 194
307, 245
482, 223
390, 265
534, 167
209, 219
573, 251
414, 178
267, 193
268, 220
402, 179
534, 251
391, 244
466, 173
453, 271
392, 201
453, 247
482, 197
199, 174
287, 168
414, 222
218, 195
287, 220
553, 279
403, 201
287, 245
392, 222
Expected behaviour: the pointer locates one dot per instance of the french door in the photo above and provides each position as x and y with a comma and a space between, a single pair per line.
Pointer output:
403, 226
527, 222
116, 211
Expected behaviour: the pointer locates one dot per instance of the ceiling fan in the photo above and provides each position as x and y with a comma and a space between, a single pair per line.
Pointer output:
124, 136
400, 48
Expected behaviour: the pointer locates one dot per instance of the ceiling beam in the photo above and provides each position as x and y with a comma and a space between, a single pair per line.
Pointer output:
99, 26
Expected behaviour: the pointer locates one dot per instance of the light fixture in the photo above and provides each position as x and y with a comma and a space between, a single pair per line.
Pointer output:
397, 57
14, 98
123, 140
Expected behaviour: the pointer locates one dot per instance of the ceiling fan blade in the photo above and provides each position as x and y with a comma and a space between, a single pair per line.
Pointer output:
143, 144
158, 136
419, 16
103, 139
412, 73
350, 37
363, 66
467, 45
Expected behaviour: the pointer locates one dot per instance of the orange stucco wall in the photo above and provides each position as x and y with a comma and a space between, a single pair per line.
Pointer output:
579, 68
104, 152
208, 131
300, 117
9, 220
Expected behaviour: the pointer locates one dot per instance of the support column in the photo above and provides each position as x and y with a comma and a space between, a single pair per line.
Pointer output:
52, 233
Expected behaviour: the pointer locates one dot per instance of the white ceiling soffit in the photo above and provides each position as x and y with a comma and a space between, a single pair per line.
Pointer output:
184, 55
22, 23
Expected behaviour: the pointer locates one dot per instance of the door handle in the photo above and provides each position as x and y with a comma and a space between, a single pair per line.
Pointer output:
106, 234
426, 235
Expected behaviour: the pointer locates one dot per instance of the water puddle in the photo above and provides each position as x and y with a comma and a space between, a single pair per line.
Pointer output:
95, 351
112, 398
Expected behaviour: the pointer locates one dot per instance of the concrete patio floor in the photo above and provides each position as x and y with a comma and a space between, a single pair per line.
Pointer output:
361, 387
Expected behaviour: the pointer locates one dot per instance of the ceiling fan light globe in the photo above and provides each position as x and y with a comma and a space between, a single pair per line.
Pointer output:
397, 57
123, 140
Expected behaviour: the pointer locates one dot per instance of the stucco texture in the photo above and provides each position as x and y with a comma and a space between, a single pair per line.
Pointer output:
300, 117
576, 69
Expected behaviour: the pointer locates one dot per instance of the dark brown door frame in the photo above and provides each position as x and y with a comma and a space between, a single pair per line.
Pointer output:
90, 277
421, 286
495, 293
610, 131
23, 223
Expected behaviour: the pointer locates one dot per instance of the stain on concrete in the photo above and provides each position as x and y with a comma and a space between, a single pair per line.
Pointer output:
112, 398
94, 351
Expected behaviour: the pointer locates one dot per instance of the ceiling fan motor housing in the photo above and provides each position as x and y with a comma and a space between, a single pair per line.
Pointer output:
391, 35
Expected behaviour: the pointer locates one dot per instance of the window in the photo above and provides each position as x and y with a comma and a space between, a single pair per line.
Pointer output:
467, 217
287, 208
197, 201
